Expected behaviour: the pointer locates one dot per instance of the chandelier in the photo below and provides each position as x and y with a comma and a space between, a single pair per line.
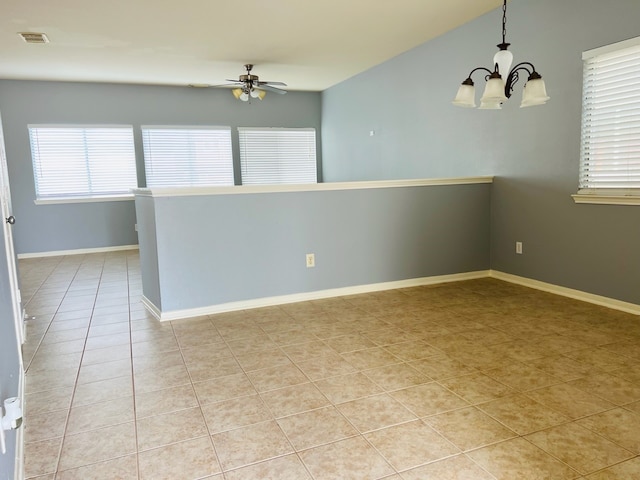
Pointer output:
499, 88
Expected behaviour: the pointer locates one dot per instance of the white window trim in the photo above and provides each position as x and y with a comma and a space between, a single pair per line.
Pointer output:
93, 199
608, 196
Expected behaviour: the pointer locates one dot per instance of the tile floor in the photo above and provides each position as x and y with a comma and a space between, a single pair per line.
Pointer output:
477, 380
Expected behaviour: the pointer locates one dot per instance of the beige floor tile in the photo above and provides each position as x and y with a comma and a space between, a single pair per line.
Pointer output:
103, 390
104, 371
224, 388
96, 446
40, 382
581, 449
107, 354
317, 427
235, 413
350, 459
378, 411
123, 468
196, 338
165, 401
214, 368
345, 388
251, 444
292, 337
295, 399
469, 428
152, 380
522, 414
569, 400
41, 458
370, 358
327, 366
102, 341
44, 426
601, 359
48, 401
204, 353
562, 367
308, 351
197, 460
263, 359
288, 467
168, 428
98, 415
629, 470
54, 362
276, 377
428, 399
521, 377
440, 367
620, 426
609, 387
459, 467
157, 361
397, 376
519, 459
349, 343
412, 350
411, 444
252, 344
476, 388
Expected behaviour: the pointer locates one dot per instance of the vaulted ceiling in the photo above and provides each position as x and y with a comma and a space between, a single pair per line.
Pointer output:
310, 45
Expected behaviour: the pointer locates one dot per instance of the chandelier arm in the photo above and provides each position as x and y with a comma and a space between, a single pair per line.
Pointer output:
489, 72
513, 76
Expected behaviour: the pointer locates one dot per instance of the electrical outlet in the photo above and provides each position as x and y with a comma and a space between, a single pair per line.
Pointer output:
519, 248
311, 260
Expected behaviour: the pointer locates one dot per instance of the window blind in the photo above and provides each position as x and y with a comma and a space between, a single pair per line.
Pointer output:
82, 161
187, 156
278, 155
610, 153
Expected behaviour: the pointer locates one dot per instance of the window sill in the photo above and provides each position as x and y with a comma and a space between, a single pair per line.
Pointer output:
607, 199
59, 200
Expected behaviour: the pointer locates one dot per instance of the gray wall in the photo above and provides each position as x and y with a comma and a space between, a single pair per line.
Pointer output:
42, 228
534, 152
251, 246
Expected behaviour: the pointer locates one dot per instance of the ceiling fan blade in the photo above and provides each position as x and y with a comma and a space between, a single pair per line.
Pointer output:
269, 88
282, 84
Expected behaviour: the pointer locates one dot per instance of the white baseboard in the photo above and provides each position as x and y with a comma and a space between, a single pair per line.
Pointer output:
568, 292
303, 297
80, 251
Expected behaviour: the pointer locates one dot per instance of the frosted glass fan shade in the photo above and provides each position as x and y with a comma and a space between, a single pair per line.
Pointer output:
466, 96
259, 94
534, 93
489, 105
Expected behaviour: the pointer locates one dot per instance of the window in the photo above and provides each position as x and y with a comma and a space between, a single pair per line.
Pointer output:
187, 156
278, 155
82, 162
610, 153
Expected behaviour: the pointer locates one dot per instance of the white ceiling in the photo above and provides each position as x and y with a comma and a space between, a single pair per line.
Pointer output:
310, 45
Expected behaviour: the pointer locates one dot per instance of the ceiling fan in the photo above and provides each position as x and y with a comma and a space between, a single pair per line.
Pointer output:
250, 86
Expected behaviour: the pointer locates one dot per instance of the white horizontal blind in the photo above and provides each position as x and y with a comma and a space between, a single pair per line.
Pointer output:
187, 156
610, 154
82, 161
278, 155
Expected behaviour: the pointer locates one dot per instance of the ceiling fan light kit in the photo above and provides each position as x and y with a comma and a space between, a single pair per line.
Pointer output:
249, 86
498, 89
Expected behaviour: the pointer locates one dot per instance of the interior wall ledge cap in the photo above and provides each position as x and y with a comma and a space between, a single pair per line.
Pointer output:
315, 187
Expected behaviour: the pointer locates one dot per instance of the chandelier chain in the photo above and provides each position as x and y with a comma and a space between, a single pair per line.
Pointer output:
504, 22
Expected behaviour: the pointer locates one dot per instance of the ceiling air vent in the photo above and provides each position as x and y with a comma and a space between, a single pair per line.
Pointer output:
32, 37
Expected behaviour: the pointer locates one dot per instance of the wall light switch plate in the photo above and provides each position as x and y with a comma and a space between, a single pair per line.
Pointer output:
311, 260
